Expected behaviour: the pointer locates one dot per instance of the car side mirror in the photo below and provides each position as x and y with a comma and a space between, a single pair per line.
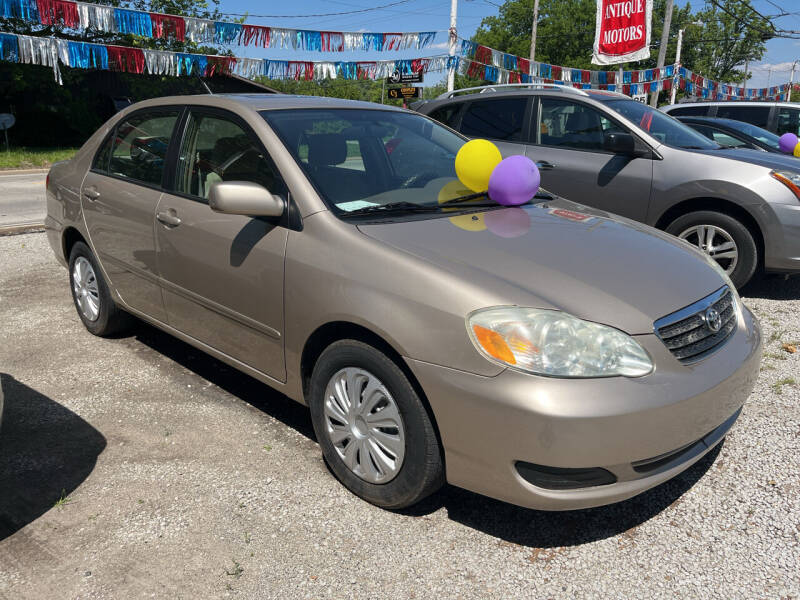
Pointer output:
620, 143
244, 198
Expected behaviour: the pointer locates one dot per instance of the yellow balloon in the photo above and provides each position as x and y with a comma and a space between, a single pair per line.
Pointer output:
797, 150
452, 190
475, 162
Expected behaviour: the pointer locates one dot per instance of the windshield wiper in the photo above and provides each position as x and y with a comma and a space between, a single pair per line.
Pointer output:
540, 195
392, 207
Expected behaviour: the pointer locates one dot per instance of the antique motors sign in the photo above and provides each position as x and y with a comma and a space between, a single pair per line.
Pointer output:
622, 32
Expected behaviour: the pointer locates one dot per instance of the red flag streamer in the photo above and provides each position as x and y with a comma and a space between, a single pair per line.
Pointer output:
220, 65
52, 12
165, 26
257, 34
127, 60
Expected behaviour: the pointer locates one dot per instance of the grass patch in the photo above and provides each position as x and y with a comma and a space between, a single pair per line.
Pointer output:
236, 571
778, 385
29, 158
63, 500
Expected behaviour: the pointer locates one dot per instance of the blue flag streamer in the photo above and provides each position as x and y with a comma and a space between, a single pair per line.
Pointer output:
87, 56
130, 21
9, 47
225, 33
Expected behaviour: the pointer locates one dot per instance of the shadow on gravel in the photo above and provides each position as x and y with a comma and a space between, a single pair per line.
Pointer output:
236, 383
544, 529
46, 451
511, 523
773, 288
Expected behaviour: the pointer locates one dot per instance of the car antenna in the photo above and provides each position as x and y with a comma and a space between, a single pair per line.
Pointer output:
205, 85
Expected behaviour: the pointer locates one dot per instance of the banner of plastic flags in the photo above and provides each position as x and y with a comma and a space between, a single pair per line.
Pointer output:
82, 15
51, 52
509, 68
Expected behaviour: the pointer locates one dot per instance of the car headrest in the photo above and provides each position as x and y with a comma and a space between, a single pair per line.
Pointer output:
325, 149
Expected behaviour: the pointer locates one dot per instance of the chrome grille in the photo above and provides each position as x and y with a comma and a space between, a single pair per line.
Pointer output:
701, 328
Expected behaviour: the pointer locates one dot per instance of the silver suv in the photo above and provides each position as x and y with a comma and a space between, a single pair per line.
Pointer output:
606, 150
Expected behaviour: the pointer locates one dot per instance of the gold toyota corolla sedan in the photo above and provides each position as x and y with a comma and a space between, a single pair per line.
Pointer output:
546, 354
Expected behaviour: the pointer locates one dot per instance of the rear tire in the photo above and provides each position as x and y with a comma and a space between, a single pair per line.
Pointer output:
399, 464
724, 230
96, 309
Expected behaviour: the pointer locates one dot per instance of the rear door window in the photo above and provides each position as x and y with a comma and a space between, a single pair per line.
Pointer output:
788, 121
756, 115
500, 119
140, 145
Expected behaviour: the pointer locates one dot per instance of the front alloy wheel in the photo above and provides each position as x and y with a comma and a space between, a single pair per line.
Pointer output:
716, 242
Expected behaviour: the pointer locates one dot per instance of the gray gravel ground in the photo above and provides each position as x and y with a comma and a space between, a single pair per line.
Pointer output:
137, 466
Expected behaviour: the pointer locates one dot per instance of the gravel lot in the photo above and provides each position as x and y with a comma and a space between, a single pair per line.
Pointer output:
138, 466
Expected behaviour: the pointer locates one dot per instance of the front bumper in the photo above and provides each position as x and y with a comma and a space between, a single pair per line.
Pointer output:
782, 239
487, 424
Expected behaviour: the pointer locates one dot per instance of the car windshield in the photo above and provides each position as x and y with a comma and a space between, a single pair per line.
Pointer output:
662, 127
762, 135
363, 158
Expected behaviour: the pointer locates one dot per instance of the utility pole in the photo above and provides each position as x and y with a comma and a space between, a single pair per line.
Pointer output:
791, 82
662, 50
451, 72
533, 30
677, 66
746, 73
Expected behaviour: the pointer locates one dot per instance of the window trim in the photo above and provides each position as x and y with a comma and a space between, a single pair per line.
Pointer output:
526, 118
179, 136
150, 109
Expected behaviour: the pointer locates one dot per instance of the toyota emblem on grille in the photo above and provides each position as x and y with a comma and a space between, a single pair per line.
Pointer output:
713, 320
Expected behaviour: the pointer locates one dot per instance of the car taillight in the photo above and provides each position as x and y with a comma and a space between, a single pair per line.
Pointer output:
789, 179
47, 181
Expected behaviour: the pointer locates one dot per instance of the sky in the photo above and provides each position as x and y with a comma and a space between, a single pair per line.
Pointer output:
434, 15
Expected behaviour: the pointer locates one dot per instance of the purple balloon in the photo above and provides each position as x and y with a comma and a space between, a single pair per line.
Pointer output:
507, 222
786, 143
514, 180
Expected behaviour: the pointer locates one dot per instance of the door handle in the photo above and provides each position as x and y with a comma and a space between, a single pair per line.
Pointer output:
91, 193
543, 165
168, 218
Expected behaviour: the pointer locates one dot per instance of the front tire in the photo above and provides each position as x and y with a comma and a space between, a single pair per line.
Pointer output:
372, 427
723, 238
96, 309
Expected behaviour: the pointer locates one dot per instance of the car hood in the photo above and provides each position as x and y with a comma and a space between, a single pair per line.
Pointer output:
562, 255
771, 160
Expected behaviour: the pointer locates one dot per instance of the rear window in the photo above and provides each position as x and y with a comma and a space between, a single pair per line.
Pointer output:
499, 119
689, 111
757, 115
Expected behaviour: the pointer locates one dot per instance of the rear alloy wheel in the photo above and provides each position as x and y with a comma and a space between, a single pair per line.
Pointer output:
372, 426
96, 309
723, 239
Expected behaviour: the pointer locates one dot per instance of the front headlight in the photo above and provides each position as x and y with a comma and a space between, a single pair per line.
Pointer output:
789, 179
555, 344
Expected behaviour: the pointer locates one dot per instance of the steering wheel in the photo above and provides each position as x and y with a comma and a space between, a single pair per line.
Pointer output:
419, 180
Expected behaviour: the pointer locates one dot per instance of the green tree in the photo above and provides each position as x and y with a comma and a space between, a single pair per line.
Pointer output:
565, 35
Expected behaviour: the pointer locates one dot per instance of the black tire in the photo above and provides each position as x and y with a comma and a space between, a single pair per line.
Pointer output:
110, 318
422, 470
748, 259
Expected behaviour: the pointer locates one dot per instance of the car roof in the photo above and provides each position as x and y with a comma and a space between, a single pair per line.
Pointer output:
266, 101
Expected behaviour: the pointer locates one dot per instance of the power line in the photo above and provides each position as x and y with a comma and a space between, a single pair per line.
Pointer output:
332, 14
